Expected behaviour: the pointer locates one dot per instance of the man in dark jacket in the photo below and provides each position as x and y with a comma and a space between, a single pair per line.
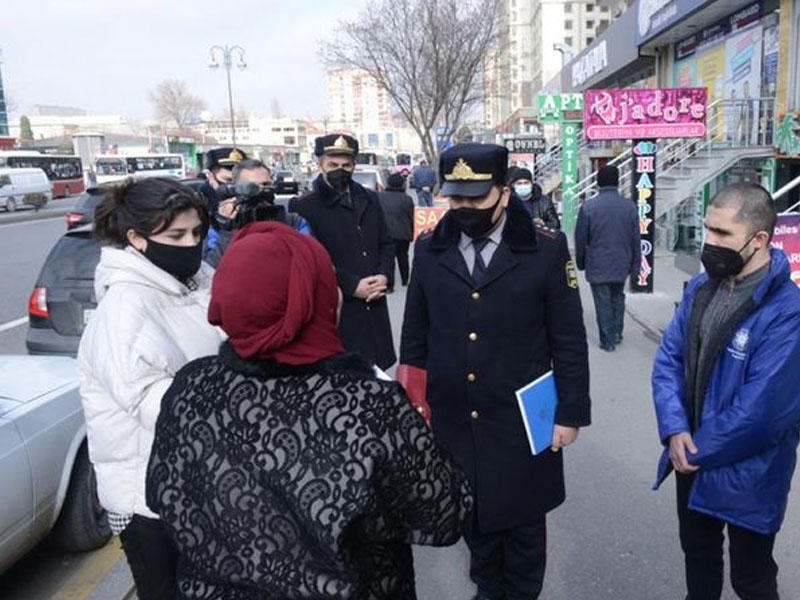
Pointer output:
398, 210
608, 247
347, 219
492, 305
539, 206
423, 180
726, 387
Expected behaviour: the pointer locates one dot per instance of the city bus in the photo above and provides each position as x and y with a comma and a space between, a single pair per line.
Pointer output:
113, 167
64, 172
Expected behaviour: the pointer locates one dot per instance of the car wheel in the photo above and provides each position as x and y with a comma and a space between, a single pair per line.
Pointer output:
11, 205
83, 523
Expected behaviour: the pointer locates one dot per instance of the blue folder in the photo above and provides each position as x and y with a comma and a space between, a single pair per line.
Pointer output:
537, 404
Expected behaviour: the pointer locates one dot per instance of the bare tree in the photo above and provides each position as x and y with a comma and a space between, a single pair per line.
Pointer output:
175, 104
427, 54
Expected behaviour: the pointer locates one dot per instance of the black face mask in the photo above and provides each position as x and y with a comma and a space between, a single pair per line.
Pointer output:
179, 261
475, 222
339, 179
720, 262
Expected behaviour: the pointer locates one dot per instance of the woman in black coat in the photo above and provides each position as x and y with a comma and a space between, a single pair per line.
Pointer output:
283, 467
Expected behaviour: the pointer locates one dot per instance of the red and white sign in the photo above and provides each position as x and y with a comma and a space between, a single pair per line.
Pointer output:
426, 218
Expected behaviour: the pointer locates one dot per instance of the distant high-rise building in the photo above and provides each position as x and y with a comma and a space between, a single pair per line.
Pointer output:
536, 38
43, 110
3, 111
357, 102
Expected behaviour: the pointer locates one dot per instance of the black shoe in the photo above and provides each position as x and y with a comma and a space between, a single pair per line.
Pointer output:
607, 347
618, 339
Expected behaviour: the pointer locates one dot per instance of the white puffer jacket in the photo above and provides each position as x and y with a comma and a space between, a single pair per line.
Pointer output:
146, 327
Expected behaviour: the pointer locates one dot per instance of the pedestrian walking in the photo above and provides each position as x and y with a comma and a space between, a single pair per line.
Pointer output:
726, 389
608, 248
423, 180
492, 305
152, 292
283, 467
398, 209
347, 219
539, 206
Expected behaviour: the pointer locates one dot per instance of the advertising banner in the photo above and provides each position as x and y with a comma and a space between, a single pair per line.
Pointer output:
787, 238
426, 218
557, 108
645, 113
644, 194
570, 135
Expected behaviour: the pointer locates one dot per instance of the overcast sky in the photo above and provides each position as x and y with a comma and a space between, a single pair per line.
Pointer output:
105, 56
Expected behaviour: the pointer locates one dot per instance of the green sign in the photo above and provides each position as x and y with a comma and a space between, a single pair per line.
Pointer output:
787, 141
558, 108
570, 135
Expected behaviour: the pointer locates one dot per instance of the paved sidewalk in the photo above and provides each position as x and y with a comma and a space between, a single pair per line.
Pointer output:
654, 311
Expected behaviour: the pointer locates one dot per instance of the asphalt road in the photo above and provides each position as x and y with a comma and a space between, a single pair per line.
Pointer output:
613, 538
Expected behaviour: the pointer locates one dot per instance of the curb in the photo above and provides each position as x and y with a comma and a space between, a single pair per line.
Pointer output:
22, 216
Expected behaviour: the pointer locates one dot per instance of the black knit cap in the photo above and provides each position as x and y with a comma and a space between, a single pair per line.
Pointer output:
520, 174
608, 176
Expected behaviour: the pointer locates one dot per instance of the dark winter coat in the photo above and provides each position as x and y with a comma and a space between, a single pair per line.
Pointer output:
540, 206
398, 210
607, 241
298, 482
526, 319
359, 244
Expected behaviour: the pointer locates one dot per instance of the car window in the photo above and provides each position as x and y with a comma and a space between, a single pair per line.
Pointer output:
367, 179
75, 256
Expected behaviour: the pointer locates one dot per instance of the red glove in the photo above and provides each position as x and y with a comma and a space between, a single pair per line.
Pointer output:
415, 382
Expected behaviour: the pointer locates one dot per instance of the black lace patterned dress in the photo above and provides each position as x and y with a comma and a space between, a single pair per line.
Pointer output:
282, 482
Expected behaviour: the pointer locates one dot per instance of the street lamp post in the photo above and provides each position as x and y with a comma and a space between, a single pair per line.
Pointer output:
227, 53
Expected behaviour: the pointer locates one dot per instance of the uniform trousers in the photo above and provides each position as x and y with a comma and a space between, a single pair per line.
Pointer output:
508, 564
152, 557
753, 570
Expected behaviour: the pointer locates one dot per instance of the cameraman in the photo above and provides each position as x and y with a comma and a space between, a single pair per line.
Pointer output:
250, 197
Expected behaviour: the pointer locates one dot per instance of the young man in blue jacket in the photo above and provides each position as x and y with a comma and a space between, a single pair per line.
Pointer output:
726, 387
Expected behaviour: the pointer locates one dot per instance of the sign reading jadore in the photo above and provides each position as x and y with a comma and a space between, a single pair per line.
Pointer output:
645, 113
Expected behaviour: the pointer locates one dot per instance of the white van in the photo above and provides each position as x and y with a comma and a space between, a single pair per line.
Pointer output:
24, 186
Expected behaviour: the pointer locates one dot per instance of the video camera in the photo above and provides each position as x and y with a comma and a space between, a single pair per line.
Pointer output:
255, 203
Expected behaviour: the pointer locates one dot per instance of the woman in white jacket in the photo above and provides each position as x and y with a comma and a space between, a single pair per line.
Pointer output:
153, 294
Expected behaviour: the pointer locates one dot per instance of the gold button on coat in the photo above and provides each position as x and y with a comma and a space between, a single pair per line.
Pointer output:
475, 414
475, 295
471, 377
473, 337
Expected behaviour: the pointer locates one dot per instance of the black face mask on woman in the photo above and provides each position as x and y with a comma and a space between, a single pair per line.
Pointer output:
339, 179
475, 222
179, 261
720, 261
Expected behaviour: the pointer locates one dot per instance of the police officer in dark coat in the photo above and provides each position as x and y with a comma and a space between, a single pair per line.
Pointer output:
347, 219
219, 163
493, 304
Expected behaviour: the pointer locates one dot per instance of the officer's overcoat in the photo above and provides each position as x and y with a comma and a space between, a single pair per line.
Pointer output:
359, 244
481, 343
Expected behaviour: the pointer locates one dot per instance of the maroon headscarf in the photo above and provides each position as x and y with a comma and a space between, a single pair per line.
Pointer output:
275, 295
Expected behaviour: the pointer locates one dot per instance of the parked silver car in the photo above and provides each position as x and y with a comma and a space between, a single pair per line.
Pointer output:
48, 483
